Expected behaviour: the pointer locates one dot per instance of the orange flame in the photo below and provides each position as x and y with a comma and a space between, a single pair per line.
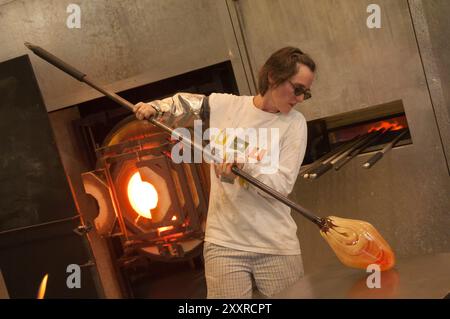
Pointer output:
142, 195
42, 287
357, 243
394, 126
163, 229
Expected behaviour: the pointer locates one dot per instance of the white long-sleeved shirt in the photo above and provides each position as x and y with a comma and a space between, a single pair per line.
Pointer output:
240, 216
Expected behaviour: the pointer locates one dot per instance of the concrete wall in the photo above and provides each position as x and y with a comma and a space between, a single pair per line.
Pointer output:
121, 44
432, 28
406, 195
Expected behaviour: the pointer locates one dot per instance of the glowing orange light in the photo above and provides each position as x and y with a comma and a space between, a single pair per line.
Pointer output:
142, 195
174, 218
385, 125
163, 229
42, 287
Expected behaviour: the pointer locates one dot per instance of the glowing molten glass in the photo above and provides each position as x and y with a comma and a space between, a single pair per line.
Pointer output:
357, 243
42, 288
142, 195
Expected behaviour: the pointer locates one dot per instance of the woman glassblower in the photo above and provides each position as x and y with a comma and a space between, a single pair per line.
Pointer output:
251, 239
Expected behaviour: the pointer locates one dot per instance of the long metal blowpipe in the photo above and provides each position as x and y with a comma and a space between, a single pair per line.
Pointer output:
356, 243
328, 164
325, 159
359, 148
378, 155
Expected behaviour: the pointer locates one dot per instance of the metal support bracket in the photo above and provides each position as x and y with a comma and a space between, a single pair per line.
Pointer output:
83, 229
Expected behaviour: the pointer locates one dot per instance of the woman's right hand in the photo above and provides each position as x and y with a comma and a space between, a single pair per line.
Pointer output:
144, 111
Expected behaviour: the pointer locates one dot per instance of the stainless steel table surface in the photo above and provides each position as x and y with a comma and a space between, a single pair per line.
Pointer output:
426, 276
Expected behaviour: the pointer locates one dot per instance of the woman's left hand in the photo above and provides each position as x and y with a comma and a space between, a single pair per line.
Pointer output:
224, 170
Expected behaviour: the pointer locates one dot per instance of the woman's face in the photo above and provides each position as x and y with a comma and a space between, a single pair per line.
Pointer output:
283, 97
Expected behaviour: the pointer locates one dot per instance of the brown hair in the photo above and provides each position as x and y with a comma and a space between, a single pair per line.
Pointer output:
282, 65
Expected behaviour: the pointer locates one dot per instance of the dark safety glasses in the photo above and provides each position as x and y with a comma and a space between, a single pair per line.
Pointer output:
300, 89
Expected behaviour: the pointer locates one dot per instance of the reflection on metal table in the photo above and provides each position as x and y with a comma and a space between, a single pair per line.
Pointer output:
426, 276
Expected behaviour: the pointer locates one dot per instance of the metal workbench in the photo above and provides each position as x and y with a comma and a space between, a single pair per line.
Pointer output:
425, 276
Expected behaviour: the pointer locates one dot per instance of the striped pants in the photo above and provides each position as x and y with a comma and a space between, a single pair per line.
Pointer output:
232, 273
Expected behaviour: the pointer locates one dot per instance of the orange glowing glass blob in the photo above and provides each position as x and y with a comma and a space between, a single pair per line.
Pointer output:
142, 195
42, 287
357, 243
